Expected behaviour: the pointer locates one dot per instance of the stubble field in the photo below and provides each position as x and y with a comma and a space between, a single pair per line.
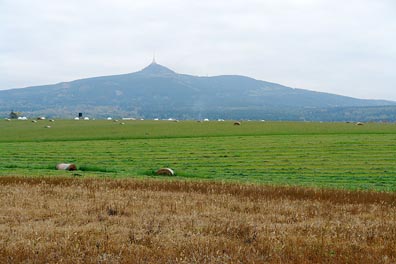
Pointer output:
63, 220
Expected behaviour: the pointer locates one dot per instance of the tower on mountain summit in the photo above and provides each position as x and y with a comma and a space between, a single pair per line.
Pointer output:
156, 69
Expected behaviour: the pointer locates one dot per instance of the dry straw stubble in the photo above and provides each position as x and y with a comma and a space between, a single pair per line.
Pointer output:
147, 221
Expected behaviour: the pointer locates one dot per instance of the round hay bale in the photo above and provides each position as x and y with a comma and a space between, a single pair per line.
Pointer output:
359, 124
47, 127
66, 166
165, 172
237, 123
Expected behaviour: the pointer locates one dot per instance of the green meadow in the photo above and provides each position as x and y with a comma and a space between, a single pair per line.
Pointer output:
335, 155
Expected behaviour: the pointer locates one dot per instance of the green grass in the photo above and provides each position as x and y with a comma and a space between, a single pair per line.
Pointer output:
336, 155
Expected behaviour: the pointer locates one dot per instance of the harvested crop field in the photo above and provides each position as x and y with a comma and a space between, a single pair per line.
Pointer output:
331, 155
64, 220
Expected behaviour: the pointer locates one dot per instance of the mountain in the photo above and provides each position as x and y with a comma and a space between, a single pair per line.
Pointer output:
157, 91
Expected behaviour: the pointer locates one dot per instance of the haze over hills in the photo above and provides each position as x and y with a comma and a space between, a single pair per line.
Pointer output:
159, 92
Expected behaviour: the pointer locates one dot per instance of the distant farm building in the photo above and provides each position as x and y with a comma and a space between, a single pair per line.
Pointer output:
14, 115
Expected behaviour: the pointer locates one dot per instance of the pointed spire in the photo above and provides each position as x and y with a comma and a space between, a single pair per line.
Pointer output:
154, 62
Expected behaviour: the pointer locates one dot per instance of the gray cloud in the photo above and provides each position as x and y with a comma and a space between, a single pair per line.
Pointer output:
344, 47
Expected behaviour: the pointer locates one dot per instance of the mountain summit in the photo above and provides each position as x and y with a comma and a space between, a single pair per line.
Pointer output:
156, 69
158, 92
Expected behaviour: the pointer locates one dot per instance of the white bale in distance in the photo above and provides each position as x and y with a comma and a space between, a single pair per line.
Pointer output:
66, 166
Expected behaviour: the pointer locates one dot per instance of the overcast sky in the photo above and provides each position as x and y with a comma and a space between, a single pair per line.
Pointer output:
345, 47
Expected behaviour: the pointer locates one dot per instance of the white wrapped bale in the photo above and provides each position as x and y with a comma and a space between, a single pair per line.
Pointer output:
166, 172
66, 166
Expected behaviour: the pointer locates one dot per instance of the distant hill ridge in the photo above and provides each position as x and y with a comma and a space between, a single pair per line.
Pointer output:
157, 91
